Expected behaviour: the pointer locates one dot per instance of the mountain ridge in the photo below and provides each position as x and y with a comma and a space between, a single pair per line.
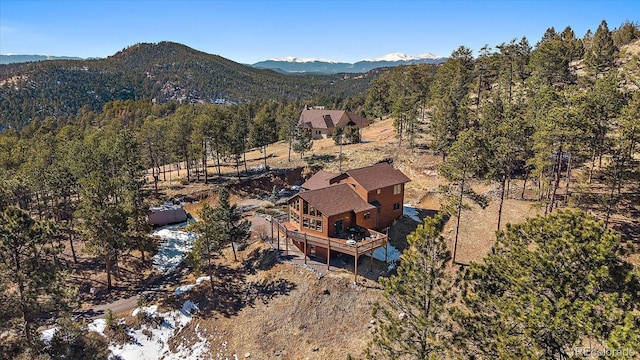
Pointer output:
324, 66
161, 72
20, 58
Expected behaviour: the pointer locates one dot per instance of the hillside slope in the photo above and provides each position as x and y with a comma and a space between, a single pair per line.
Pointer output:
164, 71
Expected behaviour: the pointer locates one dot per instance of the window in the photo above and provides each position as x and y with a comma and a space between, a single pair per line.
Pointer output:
319, 225
378, 192
367, 215
312, 211
305, 222
396, 206
305, 207
397, 189
295, 218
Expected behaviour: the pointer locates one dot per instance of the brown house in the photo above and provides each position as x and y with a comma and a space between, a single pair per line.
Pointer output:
321, 122
369, 197
341, 212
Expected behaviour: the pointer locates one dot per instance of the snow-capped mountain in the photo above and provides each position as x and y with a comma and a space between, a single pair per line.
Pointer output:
405, 57
324, 66
303, 60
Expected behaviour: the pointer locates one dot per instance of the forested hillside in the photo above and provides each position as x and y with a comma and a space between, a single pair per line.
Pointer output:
163, 72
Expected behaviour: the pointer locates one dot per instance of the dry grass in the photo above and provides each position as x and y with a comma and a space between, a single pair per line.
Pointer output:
298, 316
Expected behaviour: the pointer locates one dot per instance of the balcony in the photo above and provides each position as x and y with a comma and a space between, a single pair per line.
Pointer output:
354, 242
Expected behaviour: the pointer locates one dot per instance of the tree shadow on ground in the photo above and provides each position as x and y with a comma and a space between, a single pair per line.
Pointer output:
231, 292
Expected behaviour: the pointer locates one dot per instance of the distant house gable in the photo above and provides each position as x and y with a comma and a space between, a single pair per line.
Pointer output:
321, 122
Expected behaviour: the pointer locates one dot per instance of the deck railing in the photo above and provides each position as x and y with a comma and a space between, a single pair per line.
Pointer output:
373, 240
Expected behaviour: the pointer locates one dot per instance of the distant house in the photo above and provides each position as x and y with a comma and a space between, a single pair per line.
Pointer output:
322, 122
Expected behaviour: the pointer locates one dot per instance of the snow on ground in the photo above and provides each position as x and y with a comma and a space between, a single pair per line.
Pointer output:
97, 325
152, 343
47, 335
187, 288
393, 255
411, 212
172, 249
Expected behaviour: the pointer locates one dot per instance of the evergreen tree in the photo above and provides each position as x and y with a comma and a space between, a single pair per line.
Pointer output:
264, 131
600, 56
468, 159
230, 227
302, 141
573, 46
450, 100
31, 283
551, 285
625, 34
288, 116
413, 320
208, 243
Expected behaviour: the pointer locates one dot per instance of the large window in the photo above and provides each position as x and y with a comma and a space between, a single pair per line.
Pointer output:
305, 208
312, 224
397, 189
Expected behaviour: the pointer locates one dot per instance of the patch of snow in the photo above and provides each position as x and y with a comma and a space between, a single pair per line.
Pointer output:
202, 279
98, 326
187, 288
172, 249
150, 343
47, 335
183, 289
145, 309
393, 255
411, 212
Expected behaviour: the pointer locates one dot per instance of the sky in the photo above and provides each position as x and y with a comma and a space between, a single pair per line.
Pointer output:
248, 31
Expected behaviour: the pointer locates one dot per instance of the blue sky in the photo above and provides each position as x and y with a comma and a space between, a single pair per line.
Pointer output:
250, 31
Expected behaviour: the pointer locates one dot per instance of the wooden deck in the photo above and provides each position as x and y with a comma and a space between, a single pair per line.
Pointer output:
367, 245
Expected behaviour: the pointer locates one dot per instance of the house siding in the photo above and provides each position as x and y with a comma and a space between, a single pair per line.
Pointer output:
387, 199
321, 133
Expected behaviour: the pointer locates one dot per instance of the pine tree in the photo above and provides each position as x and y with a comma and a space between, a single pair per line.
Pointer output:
264, 131
450, 100
208, 243
229, 226
31, 283
414, 316
601, 55
551, 285
302, 141
468, 159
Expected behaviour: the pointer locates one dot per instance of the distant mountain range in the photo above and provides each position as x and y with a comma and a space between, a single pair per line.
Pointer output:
10, 59
323, 66
289, 64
